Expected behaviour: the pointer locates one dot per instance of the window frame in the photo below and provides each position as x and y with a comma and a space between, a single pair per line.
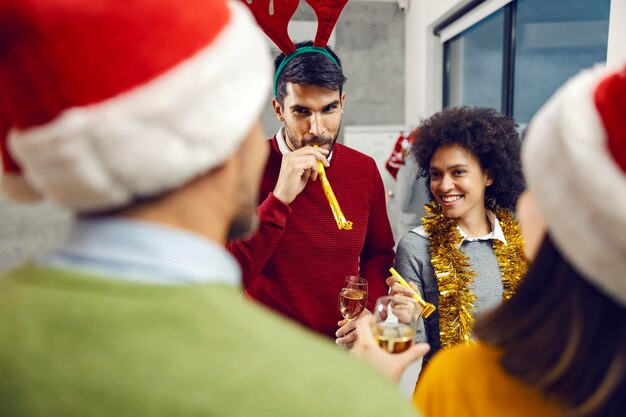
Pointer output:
474, 12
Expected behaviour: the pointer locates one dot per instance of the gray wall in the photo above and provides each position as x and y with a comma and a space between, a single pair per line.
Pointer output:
370, 42
27, 231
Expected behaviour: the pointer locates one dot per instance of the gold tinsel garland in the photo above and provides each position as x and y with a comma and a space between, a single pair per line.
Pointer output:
453, 273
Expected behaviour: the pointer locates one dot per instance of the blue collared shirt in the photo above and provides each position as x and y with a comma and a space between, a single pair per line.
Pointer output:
143, 252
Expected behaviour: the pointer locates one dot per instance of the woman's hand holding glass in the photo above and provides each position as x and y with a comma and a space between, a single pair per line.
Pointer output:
391, 365
395, 322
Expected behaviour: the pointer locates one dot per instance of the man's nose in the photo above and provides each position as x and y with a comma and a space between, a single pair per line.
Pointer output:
316, 127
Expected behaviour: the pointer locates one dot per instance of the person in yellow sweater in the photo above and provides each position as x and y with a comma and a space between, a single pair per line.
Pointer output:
558, 347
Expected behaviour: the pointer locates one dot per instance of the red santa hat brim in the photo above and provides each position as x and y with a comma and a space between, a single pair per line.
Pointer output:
154, 137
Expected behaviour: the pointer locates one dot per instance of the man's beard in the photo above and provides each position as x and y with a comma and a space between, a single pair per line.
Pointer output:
318, 140
244, 224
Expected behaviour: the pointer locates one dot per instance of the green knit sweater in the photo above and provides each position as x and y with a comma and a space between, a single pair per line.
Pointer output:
78, 345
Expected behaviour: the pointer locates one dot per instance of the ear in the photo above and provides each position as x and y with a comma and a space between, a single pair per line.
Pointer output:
343, 99
489, 179
278, 110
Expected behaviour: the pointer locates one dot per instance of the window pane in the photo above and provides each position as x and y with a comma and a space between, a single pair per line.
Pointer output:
555, 39
475, 64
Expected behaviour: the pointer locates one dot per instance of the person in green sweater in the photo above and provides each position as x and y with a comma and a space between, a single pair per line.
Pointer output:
143, 120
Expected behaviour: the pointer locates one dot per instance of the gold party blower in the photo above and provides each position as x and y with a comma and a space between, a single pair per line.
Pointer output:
342, 223
427, 308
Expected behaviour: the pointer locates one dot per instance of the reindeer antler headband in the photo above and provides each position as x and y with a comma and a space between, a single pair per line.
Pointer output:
273, 17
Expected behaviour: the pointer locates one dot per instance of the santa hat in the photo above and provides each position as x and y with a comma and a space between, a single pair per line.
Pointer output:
396, 159
574, 159
103, 102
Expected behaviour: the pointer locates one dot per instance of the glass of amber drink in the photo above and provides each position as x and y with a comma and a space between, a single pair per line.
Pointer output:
395, 322
352, 297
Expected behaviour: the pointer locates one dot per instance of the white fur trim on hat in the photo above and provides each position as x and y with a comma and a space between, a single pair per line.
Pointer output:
580, 189
157, 136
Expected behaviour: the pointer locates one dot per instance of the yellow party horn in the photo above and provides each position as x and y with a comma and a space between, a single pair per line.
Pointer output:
427, 308
342, 223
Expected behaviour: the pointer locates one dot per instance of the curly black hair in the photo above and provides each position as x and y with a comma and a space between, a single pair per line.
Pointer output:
488, 135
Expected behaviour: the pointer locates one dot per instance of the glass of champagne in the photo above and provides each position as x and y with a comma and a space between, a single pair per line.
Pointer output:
352, 297
395, 322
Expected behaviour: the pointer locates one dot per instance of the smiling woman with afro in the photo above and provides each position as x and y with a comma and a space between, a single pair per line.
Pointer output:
467, 255
489, 136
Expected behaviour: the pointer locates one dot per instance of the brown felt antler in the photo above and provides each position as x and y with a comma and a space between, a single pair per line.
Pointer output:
275, 22
327, 12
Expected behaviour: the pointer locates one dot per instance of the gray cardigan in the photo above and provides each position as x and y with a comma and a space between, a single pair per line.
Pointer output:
413, 263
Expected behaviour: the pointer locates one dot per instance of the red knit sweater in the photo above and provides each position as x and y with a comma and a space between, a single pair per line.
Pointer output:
297, 260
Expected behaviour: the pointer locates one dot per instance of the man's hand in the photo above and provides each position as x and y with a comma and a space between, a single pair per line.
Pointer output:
345, 334
391, 365
296, 169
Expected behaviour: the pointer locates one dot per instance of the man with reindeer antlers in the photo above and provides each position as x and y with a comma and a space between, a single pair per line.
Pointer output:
297, 261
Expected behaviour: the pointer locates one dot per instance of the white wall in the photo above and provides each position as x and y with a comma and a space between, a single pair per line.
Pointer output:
422, 63
616, 53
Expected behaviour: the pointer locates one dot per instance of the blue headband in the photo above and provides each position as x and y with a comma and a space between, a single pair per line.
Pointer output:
300, 51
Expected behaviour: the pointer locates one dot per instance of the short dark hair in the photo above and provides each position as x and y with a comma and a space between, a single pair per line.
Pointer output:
488, 135
310, 69
563, 336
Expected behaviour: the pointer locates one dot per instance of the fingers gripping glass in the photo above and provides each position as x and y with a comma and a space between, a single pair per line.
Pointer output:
395, 322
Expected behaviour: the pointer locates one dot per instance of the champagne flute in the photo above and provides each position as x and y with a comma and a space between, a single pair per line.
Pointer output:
352, 297
395, 322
